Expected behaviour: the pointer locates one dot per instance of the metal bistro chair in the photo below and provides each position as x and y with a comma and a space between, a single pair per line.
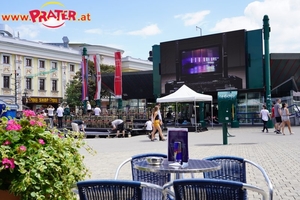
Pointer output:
211, 189
144, 176
113, 189
234, 168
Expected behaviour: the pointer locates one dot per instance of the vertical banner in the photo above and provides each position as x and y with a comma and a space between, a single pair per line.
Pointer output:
118, 76
98, 78
84, 78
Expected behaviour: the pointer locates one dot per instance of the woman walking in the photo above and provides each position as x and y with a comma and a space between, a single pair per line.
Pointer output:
264, 114
156, 124
285, 117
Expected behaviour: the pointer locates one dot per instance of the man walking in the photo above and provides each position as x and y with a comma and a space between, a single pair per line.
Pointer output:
277, 113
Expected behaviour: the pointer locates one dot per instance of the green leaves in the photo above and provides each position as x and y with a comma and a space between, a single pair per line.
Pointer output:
45, 170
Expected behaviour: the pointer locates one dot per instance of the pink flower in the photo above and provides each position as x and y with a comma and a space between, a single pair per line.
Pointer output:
22, 148
32, 122
39, 123
29, 113
8, 163
40, 116
12, 125
6, 142
41, 141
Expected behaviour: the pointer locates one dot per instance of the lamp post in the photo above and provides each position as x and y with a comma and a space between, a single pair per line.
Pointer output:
25, 97
197, 27
85, 78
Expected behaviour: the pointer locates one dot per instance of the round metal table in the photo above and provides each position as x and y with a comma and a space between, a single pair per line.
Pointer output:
192, 166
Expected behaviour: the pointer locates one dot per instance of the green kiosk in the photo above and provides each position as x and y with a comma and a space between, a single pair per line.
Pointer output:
227, 102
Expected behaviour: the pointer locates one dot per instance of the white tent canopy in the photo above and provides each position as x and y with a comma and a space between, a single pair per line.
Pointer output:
185, 94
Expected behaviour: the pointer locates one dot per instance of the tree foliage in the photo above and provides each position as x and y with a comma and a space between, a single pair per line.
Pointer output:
73, 94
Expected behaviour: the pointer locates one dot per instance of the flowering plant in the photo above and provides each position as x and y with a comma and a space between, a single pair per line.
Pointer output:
37, 163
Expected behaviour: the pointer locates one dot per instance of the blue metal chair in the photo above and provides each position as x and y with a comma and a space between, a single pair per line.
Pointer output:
113, 189
211, 189
144, 176
234, 168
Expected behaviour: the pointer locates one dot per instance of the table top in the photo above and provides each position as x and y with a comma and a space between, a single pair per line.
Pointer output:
192, 166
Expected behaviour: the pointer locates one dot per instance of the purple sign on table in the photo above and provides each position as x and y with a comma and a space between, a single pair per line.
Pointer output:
178, 137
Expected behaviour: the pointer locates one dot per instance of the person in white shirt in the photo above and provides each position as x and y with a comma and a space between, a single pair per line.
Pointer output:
50, 111
265, 115
97, 111
89, 108
148, 127
60, 115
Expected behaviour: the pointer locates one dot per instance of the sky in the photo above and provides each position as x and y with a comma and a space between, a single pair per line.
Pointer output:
135, 26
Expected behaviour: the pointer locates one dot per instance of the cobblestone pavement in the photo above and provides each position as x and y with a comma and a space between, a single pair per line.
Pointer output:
278, 154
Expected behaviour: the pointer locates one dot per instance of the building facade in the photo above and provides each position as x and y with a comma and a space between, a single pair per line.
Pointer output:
34, 73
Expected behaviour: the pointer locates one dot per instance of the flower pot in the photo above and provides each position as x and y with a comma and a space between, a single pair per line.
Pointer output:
4, 194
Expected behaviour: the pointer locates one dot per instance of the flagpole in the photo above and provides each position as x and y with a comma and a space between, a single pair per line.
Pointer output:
84, 77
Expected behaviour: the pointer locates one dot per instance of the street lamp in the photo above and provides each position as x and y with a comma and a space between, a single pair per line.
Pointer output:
85, 78
25, 100
197, 27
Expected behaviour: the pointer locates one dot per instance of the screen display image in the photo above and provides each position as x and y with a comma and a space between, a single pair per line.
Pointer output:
201, 61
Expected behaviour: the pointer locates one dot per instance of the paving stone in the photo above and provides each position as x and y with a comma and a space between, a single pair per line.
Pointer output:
279, 155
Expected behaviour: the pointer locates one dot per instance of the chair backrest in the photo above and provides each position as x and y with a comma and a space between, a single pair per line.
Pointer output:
109, 190
149, 177
212, 189
232, 168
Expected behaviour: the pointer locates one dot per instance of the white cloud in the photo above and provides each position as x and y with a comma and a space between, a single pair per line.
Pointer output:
31, 31
283, 20
94, 31
191, 19
147, 31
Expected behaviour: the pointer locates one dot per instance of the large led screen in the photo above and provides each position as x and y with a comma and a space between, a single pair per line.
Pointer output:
200, 61
205, 64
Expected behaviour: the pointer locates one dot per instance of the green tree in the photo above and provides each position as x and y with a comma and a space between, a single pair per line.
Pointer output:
73, 94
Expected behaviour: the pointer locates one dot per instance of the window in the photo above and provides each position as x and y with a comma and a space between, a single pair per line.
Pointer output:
54, 85
72, 68
42, 64
28, 83
6, 59
28, 62
54, 65
42, 84
6, 81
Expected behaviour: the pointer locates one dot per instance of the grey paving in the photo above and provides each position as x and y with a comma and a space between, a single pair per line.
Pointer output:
278, 154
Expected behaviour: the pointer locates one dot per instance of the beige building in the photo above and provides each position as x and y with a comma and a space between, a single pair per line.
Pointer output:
38, 72
34, 71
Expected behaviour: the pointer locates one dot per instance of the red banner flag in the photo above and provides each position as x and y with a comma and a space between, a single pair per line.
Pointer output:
98, 74
118, 76
84, 79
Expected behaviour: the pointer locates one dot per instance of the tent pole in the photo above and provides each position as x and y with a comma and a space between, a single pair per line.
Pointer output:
195, 116
211, 111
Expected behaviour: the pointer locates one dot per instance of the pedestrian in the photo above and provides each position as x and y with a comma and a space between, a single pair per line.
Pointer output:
148, 127
273, 116
97, 111
160, 120
277, 113
118, 125
285, 116
156, 124
88, 108
264, 114
60, 115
